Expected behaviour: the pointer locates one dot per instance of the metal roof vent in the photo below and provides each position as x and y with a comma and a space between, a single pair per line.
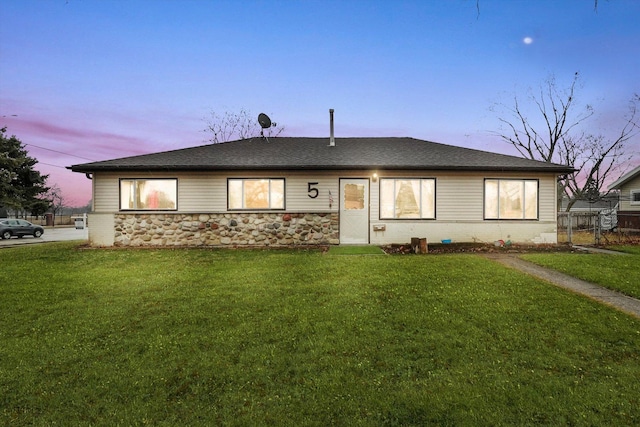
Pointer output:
332, 140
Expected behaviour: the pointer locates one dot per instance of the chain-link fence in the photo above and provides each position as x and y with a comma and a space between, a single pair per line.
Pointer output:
604, 227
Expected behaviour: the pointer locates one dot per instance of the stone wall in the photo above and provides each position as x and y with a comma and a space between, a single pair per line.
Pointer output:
236, 229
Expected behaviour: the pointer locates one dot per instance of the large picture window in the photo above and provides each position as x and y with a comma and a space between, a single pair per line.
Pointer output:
148, 194
407, 198
256, 193
511, 199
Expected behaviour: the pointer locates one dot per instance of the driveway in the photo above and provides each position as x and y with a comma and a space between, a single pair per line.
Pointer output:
56, 234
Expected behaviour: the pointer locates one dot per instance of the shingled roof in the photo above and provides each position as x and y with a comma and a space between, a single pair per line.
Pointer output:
625, 178
316, 154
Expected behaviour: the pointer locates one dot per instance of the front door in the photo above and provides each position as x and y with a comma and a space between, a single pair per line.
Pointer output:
354, 211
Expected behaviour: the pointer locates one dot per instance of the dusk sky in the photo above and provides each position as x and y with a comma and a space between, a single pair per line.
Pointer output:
84, 80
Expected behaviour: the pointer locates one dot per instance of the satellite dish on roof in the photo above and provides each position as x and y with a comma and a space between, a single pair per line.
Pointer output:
265, 123
264, 120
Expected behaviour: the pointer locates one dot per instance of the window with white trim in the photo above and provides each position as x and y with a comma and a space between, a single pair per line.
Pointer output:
250, 193
407, 198
511, 198
148, 194
634, 197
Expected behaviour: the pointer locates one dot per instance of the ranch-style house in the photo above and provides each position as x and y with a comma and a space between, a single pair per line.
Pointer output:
283, 191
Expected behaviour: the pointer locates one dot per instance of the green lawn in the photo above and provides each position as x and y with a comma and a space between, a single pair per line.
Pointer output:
627, 249
355, 250
617, 272
222, 337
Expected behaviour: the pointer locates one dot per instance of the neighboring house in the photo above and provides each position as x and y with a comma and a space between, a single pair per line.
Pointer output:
296, 191
585, 214
629, 207
604, 202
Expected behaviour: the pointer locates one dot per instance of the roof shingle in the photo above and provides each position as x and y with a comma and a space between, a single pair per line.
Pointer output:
291, 153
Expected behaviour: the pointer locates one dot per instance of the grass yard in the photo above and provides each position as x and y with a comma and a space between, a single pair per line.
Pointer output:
222, 337
355, 250
616, 272
634, 250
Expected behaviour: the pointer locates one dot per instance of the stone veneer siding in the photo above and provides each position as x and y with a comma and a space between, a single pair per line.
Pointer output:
228, 229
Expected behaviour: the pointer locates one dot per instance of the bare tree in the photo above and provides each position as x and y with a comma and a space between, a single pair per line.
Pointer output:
230, 126
553, 134
55, 197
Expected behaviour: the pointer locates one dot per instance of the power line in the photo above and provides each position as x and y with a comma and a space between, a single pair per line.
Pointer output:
49, 164
59, 152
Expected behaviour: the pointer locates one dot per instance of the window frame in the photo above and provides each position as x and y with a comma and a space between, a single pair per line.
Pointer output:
420, 202
136, 208
242, 198
523, 181
632, 193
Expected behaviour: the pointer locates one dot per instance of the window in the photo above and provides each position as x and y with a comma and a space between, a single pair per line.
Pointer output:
148, 194
354, 197
511, 199
635, 197
256, 193
407, 198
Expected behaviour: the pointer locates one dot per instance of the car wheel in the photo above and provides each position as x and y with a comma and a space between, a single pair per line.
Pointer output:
6, 234
37, 233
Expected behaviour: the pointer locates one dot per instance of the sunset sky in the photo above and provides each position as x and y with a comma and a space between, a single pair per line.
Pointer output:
85, 80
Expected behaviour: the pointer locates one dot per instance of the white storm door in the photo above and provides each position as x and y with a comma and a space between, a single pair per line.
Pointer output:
354, 211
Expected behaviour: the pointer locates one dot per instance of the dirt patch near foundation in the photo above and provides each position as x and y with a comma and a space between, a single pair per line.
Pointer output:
455, 248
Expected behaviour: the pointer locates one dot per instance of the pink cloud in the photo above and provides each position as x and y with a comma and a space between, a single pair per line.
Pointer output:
58, 145
94, 144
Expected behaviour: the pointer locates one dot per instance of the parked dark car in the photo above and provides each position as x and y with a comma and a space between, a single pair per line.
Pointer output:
19, 227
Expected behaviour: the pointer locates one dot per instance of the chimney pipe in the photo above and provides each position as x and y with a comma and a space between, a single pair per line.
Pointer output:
332, 140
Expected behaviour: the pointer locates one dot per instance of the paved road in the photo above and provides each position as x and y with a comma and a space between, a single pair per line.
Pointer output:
56, 234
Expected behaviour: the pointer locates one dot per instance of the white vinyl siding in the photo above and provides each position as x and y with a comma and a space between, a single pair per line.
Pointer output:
459, 197
106, 192
547, 199
298, 195
201, 193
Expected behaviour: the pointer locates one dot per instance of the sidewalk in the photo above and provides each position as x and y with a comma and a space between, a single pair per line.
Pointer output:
615, 299
597, 250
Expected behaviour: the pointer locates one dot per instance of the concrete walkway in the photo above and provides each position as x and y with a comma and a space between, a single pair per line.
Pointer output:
614, 299
598, 250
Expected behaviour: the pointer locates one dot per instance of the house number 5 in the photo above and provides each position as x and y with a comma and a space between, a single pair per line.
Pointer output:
313, 191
